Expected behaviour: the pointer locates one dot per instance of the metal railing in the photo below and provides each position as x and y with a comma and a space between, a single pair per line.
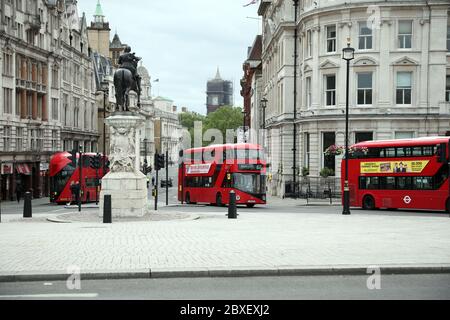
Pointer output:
314, 188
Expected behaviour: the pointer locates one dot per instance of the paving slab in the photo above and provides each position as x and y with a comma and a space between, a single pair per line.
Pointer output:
263, 243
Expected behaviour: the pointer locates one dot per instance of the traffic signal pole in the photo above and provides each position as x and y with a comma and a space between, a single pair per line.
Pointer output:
156, 191
81, 181
167, 178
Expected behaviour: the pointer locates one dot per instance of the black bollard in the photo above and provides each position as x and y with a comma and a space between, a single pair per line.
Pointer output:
27, 210
232, 211
107, 209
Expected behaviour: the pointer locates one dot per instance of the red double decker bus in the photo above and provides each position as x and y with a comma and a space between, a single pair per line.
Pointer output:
207, 175
400, 174
63, 175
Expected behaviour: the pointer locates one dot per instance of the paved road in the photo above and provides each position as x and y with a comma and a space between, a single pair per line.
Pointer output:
268, 288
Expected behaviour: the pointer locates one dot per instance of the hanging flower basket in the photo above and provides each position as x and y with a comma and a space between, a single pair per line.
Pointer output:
334, 151
340, 150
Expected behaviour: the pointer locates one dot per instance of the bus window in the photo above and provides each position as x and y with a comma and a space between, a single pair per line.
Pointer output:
389, 152
428, 151
417, 151
387, 183
404, 183
423, 183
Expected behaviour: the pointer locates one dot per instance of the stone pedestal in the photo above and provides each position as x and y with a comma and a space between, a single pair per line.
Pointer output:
126, 184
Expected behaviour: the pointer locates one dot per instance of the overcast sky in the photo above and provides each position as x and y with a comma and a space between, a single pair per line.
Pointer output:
182, 42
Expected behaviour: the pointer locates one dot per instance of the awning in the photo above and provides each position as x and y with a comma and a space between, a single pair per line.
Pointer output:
23, 169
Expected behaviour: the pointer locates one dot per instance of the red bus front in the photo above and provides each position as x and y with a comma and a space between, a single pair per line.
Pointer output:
400, 174
207, 175
63, 174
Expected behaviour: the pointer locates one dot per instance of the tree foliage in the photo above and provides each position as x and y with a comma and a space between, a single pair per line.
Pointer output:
225, 118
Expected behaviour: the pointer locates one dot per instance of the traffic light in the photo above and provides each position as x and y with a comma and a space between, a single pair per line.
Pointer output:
159, 162
97, 161
94, 162
73, 158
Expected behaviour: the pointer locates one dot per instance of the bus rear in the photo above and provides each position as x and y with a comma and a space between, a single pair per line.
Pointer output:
63, 174
400, 174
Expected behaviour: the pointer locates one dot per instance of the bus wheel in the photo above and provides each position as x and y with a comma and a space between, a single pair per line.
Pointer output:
251, 205
368, 203
219, 200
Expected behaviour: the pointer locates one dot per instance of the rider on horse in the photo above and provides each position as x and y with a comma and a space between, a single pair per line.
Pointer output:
128, 60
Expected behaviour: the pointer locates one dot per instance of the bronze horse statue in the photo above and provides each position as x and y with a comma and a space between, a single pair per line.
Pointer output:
124, 82
127, 79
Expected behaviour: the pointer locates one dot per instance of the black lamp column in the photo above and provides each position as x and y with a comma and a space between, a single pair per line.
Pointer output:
264, 106
348, 54
244, 113
294, 149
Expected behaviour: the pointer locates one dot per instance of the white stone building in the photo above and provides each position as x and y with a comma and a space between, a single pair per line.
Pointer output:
168, 131
39, 67
399, 80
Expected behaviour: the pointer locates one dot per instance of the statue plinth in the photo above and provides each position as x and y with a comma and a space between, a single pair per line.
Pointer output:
126, 184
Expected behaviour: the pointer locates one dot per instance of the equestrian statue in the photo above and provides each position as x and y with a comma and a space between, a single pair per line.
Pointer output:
126, 79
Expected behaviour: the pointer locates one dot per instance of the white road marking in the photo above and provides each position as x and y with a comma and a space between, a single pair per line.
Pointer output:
50, 296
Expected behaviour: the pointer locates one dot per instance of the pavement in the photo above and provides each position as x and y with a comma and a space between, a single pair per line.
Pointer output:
258, 243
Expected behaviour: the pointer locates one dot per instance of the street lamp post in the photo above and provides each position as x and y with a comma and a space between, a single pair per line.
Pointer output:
145, 156
244, 113
264, 106
348, 54
294, 149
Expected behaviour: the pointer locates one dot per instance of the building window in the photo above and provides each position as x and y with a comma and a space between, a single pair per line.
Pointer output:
329, 139
365, 36
405, 34
55, 78
448, 38
308, 43
40, 140
307, 151
29, 106
6, 138
75, 117
331, 38
404, 135
18, 102
76, 112
364, 88
39, 107
7, 64
447, 89
330, 91
19, 139
65, 109
308, 92
363, 137
404, 87
93, 126
86, 123
7, 100
55, 143
55, 108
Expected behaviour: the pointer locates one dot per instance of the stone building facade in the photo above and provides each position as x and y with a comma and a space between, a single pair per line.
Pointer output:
399, 80
37, 67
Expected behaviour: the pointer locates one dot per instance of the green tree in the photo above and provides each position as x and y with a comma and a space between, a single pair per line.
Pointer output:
187, 120
225, 118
